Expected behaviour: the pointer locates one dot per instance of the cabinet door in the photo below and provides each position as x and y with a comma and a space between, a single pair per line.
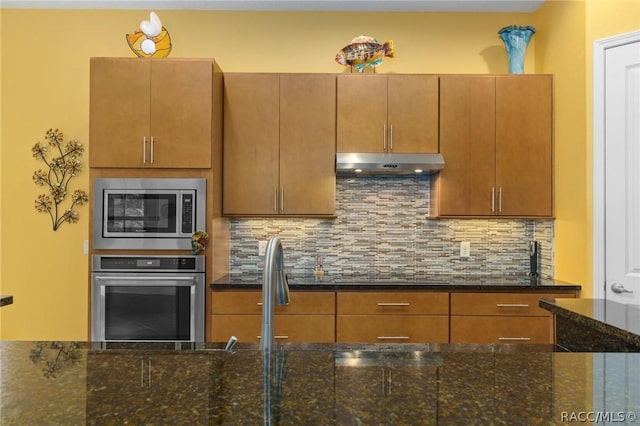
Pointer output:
251, 154
412, 113
524, 145
467, 143
119, 113
307, 144
181, 113
362, 113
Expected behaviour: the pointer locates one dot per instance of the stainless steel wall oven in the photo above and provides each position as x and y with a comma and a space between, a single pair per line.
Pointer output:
151, 213
147, 298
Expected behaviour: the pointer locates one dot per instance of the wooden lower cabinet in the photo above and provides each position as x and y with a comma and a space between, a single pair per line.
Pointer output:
487, 329
389, 317
392, 316
392, 328
502, 318
310, 317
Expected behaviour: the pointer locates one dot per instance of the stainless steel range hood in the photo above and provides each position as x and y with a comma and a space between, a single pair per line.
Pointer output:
388, 163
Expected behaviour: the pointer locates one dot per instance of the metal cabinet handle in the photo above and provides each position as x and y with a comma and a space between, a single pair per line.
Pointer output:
384, 137
282, 198
149, 385
493, 199
390, 137
281, 337
500, 200
393, 337
512, 339
512, 305
144, 150
619, 288
153, 145
275, 199
393, 303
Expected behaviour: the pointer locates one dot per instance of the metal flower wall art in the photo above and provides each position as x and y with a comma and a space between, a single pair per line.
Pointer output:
152, 40
62, 167
364, 51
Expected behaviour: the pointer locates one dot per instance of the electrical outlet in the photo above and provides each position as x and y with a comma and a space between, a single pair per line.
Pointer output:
465, 249
262, 247
85, 247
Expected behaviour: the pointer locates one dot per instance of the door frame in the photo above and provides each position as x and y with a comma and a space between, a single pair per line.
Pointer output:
599, 49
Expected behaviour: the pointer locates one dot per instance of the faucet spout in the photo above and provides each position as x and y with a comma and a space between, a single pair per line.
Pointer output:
275, 289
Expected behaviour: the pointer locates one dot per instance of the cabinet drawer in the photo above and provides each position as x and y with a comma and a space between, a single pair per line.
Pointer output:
501, 329
250, 302
509, 304
287, 328
392, 328
390, 303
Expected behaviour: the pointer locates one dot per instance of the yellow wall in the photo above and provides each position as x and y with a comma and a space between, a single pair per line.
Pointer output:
45, 85
566, 50
561, 52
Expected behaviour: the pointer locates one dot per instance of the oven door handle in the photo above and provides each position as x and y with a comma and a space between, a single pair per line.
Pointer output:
145, 278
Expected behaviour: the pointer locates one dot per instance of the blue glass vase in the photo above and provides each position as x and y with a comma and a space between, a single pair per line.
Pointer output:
516, 39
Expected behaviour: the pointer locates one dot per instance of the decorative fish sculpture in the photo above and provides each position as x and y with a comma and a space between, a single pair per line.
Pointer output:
365, 51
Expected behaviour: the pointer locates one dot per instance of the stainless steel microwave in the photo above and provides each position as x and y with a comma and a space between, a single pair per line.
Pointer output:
150, 213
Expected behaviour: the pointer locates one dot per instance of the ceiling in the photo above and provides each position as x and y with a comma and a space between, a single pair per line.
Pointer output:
289, 5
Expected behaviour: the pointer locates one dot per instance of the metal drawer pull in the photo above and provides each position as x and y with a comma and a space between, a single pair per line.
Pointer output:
393, 304
144, 150
512, 305
393, 337
519, 339
283, 337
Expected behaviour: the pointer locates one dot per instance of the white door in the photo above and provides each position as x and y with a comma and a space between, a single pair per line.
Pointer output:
622, 173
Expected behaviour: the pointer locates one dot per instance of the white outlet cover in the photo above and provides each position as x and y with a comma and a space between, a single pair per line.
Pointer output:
465, 249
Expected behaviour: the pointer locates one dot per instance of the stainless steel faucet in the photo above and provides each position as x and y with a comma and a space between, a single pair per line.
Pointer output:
279, 294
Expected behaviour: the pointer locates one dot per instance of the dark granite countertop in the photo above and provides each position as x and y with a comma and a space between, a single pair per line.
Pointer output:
6, 300
617, 323
404, 282
311, 384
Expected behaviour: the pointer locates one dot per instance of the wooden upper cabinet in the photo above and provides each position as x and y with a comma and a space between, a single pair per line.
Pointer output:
387, 113
307, 144
151, 113
251, 137
467, 143
496, 140
524, 129
279, 145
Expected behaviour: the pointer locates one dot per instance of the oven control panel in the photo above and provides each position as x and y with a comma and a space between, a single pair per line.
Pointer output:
148, 263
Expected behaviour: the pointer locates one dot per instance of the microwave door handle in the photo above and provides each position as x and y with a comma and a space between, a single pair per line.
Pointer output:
144, 278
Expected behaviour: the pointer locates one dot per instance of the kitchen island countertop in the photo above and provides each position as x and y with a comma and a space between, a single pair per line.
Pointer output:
187, 383
595, 324
442, 282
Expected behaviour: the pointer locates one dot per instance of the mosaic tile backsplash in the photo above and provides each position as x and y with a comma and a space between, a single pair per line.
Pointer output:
382, 229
